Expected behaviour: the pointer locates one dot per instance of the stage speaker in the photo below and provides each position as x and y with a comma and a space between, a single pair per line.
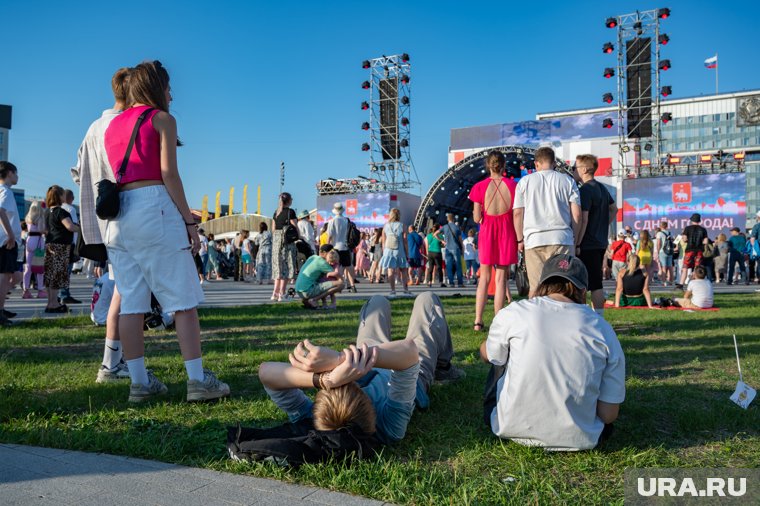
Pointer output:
638, 79
389, 131
5, 116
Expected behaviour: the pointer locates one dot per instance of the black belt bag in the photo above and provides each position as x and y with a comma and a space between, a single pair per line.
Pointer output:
107, 200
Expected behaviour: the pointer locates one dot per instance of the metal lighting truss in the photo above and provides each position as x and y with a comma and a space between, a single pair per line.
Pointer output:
650, 27
358, 184
397, 173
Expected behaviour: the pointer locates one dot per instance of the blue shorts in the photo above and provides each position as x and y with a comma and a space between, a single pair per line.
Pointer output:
666, 260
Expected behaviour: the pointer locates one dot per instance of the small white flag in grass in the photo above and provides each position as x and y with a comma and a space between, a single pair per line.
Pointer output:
744, 394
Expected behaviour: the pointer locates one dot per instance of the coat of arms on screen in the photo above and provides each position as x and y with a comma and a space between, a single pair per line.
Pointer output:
748, 111
681, 193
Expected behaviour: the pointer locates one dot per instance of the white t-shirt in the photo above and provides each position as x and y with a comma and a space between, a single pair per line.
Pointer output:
701, 292
469, 249
74, 218
337, 232
546, 196
8, 202
563, 358
204, 245
306, 231
102, 293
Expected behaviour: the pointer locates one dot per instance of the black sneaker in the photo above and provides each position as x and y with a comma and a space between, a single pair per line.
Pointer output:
5, 322
60, 309
71, 300
9, 314
453, 373
443, 285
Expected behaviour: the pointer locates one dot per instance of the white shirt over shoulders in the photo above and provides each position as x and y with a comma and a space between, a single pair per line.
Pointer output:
561, 359
546, 196
701, 293
8, 203
337, 232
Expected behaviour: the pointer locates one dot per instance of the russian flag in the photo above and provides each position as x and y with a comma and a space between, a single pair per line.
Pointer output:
711, 63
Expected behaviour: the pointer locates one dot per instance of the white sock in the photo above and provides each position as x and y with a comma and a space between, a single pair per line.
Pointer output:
137, 372
111, 354
194, 369
600, 312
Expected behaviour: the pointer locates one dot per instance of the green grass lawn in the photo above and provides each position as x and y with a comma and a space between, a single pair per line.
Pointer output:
681, 369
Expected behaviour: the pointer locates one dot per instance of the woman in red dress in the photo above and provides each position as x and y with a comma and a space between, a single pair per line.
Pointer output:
497, 241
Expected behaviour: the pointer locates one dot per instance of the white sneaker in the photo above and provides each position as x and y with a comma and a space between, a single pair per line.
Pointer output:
140, 393
208, 389
120, 372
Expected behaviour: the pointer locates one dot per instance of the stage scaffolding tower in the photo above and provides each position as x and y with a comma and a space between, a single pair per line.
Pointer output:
390, 160
641, 28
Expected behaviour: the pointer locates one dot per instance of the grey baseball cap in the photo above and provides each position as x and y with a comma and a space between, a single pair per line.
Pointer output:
568, 267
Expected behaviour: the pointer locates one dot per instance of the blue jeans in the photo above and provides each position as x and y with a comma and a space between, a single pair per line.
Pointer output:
734, 257
453, 262
204, 262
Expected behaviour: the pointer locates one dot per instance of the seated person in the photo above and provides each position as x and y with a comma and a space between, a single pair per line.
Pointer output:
318, 279
558, 371
374, 385
699, 291
633, 285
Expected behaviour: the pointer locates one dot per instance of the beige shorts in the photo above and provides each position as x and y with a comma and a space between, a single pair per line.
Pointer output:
536, 257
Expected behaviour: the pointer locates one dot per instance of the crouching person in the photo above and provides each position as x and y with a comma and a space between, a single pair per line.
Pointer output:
370, 388
558, 371
318, 279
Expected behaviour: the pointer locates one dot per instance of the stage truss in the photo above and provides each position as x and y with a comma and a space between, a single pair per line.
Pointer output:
629, 27
390, 89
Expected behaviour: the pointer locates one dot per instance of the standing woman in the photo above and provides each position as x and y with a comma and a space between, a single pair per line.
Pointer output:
152, 241
362, 255
394, 251
283, 254
60, 235
35, 240
376, 253
493, 200
264, 254
644, 249
435, 257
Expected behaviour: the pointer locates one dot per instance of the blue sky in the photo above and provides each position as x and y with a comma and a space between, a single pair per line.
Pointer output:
257, 83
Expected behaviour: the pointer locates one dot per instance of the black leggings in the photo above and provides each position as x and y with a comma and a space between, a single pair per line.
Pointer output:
435, 259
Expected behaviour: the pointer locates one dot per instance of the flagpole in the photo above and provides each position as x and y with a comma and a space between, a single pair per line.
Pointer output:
717, 64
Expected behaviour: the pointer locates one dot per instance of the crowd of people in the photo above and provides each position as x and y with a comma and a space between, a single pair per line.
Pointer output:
557, 373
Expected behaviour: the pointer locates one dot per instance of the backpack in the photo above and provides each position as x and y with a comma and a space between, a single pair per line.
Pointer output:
668, 247
353, 236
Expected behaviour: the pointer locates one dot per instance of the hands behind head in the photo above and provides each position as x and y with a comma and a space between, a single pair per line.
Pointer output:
310, 358
356, 363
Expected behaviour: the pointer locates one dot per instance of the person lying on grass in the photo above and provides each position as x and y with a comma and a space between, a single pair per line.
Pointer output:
558, 372
319, 280
372, 386
699, 292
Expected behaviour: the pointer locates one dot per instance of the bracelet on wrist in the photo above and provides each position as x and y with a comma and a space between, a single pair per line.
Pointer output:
323, 381
191, 224
316, 380
521, 240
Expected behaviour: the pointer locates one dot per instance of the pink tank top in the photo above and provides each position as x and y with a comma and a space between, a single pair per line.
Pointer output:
145, 159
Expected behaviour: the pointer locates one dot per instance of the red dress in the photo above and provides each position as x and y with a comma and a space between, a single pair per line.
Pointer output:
497, 241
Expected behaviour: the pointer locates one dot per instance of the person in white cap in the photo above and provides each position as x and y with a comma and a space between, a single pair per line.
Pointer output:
337, 235
619, 251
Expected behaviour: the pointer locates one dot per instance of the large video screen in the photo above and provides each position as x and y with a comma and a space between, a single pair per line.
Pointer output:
719, 198
367, 210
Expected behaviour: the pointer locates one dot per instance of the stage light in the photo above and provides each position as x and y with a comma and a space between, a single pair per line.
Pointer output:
373, 181
373, 168
738, 156
405, 57
405, 121
365, 85
637, 27
354, 182
666, 117
365, 147
673, 159
609, 72
390, 166
664, 64
607, 97
646, 162
404, 143
611, 22
663, 39
666, 91
366, 64
637, 148
365, 126
625, 148
608, 48
365, 106
705, 158
405, 100
405, 79
663, 13
719, 154
648, 147
607, 123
